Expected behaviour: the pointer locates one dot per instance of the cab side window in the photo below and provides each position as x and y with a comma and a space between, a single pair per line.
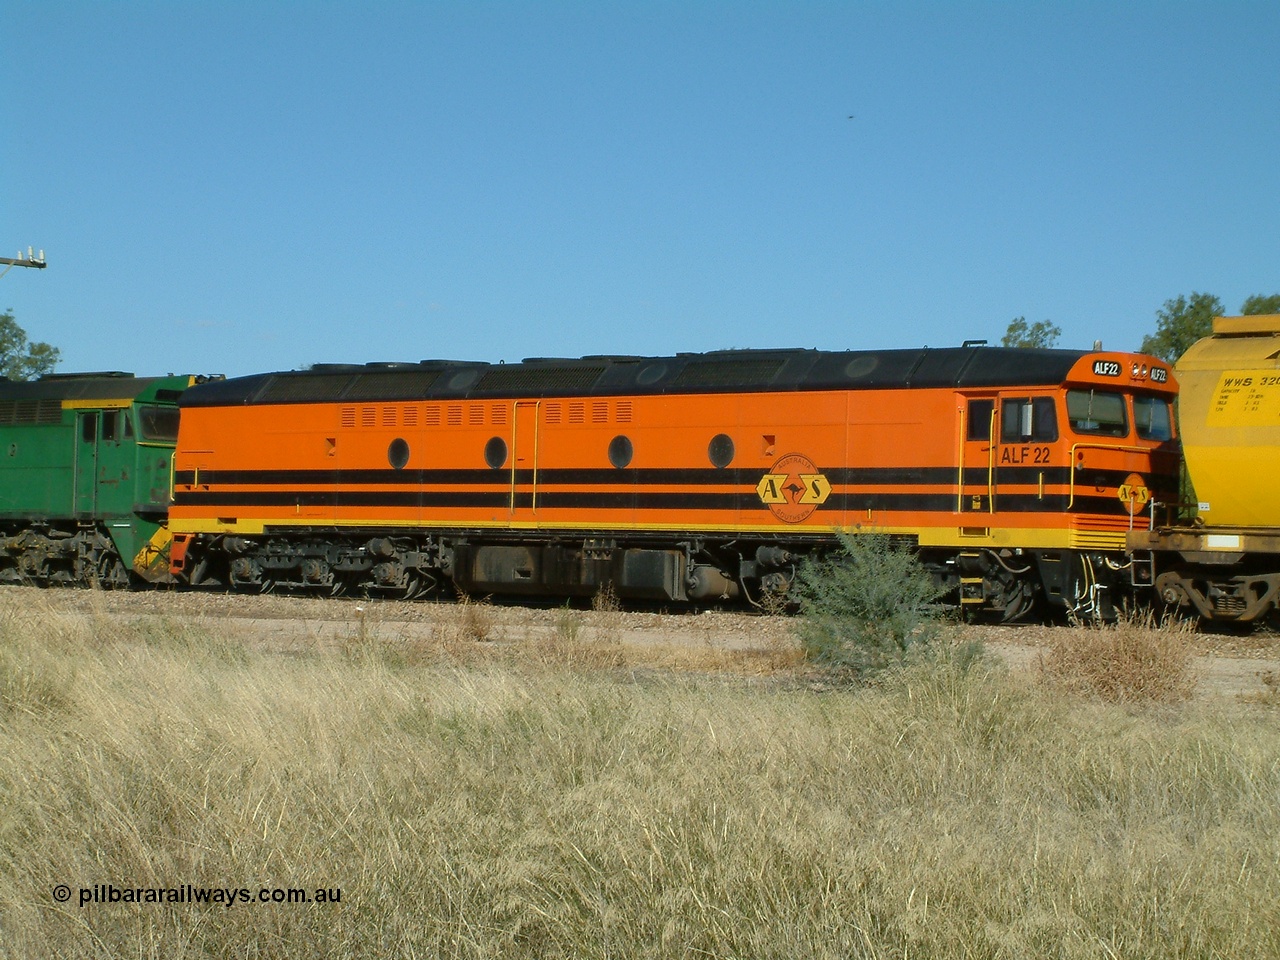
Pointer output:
979, 419
110, 424
1028, 420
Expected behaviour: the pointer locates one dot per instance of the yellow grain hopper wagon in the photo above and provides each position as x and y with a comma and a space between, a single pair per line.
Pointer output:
1226, 563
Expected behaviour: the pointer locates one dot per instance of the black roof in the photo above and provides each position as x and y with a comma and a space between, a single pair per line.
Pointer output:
726, 371
108, 385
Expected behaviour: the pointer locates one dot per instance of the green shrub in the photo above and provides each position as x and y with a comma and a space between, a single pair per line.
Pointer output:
866, 607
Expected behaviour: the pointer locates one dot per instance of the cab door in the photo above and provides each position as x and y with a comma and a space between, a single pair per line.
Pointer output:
976, 476
1028, 436
117, 464
85, 497
525, 438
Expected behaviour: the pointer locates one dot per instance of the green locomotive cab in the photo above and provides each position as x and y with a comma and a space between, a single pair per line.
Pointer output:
86, 465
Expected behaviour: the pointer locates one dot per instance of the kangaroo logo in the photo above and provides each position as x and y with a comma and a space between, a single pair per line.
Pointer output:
793, 488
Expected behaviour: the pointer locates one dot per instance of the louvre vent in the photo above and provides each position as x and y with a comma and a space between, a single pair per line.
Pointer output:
303, 388
724, 373
392, 385
537, 378
30, 412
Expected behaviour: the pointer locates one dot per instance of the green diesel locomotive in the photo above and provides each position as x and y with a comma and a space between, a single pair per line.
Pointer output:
86, 467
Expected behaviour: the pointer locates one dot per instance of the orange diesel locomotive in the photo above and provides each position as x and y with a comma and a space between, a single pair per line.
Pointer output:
1015, 473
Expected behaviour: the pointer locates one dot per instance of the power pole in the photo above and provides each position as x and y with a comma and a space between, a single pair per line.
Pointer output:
30, 260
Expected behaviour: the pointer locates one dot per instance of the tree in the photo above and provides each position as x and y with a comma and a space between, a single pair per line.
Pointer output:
1259, 303
1180, 323
1039, 335
19, 359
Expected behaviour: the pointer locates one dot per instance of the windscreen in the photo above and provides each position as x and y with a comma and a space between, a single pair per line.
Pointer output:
1097, 412
1153, 417
158, 423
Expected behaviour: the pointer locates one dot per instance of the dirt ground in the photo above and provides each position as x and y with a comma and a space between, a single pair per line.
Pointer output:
1227, 664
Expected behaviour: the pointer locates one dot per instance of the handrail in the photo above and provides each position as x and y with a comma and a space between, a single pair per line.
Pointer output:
1071, 500
991, 462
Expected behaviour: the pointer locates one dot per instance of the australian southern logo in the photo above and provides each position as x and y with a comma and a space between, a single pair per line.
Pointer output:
793, 488
1134, 493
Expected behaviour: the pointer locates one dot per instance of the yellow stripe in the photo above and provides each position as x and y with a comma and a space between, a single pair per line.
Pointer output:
942, 537
113, 404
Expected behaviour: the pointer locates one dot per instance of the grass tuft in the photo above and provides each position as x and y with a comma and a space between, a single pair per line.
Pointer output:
1139, 658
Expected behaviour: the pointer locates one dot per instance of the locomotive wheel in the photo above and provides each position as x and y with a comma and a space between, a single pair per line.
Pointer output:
1021, 601
111, 573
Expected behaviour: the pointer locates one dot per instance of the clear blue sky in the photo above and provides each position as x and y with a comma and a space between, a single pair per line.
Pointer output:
244, 186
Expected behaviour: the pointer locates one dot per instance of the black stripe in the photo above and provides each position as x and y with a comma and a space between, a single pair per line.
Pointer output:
839, 476
389, 477
429, 498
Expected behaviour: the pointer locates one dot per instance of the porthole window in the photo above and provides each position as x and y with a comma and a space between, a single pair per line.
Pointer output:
720, 450
620, 451
398, 453
860, 367
463, 379
651, 374
495, 452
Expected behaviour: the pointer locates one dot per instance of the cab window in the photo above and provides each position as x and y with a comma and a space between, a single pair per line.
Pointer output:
1028, 420
1097, 412
110, 424
979, 419
158, 423
116, 425
1153, 417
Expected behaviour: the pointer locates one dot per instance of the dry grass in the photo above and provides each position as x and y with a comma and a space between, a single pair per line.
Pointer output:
574, 644
1137, 659
500, 805
1270, 694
